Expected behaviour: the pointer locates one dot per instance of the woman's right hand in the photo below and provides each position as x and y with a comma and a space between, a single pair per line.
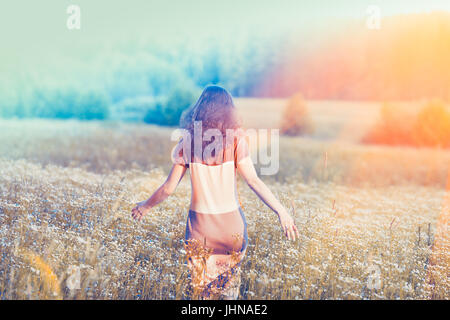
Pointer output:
288, 225
140, 210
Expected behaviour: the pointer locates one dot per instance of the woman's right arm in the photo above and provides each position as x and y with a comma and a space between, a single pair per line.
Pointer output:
247, 171
166, 189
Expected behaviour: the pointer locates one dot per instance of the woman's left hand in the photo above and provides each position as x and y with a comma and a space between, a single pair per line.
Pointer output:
288, 225
139, 211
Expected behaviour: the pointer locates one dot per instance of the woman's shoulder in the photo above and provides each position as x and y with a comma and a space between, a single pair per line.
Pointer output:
242, 149
241, 138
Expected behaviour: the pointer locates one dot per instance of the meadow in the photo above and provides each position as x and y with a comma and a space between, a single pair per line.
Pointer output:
373, 220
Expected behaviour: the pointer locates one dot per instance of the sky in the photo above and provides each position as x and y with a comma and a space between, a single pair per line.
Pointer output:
44, 20
38, 28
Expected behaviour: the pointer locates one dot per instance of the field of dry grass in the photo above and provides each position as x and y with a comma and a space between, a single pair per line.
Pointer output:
373, 220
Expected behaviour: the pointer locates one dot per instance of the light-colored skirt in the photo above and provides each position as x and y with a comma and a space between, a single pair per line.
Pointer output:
215, 246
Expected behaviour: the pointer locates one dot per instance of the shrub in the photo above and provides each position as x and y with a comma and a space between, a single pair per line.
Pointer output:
72, 103
54, 102
167, 112
92, 105
133, 109
394, 127
432, 126
296, 120
398, 126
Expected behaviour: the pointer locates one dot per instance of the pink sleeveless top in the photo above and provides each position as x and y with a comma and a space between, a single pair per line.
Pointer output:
214, 185
215, 218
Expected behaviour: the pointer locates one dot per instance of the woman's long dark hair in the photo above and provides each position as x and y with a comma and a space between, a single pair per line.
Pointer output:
215, 109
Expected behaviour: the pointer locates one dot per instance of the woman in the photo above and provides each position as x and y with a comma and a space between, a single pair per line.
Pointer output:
216, 231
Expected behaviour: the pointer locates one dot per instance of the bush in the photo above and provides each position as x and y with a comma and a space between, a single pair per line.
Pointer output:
133, 109
296, 120
91, 106
71, 103
398, 126
167, 112
394, 127
432, 126
54, 102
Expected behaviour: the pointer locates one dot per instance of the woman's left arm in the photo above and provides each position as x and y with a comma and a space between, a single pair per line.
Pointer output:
166, 189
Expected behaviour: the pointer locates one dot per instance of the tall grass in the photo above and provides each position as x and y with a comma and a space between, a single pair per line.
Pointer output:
102, 147
73, 219
66, 228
